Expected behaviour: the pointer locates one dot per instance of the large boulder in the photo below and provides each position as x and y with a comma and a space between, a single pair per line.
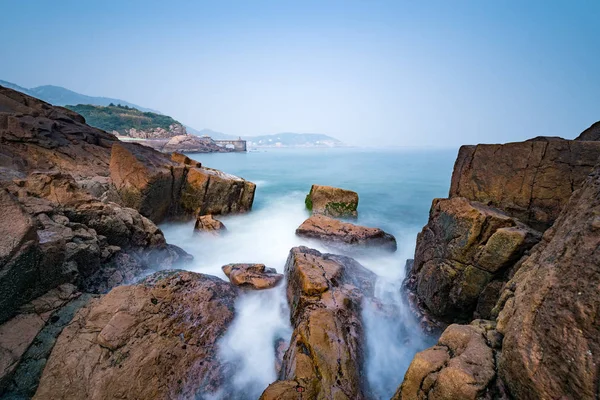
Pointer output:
591, 134
193, 144
209, 191
464, 248
253, 276
332, 201
530, 180
333, 231
325, 356
550, 309
460, 367
163, 332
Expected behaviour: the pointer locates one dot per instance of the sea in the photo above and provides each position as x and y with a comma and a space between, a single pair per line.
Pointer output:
395, 187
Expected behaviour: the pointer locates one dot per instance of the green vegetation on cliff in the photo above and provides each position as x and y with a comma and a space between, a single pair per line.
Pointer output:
119, 118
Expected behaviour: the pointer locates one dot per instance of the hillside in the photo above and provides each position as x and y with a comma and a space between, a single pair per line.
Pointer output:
129, 121
289, 139
60, 96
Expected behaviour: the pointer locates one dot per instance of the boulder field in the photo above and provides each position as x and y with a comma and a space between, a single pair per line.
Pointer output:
516, 244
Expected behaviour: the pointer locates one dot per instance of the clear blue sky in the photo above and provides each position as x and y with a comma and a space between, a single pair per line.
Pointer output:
405, 73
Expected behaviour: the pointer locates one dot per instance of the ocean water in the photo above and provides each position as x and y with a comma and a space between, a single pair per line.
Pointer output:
395, 188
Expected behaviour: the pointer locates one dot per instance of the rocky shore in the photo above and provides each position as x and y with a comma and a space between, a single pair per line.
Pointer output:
95, 304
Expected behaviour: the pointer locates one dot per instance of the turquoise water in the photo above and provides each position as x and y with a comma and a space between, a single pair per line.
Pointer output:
395, 188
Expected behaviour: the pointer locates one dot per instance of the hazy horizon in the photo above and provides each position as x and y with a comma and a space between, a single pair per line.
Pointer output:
384, 73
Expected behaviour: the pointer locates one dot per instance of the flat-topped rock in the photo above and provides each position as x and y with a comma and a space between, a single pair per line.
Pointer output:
332, 201
253, 276
334, 231
208, 224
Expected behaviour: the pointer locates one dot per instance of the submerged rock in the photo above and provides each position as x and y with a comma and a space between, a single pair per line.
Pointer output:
254, 276
163, 332
325, 356
332, 201
208, 224
334, 231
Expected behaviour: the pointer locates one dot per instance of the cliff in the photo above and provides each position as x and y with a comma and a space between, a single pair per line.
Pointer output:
482, 255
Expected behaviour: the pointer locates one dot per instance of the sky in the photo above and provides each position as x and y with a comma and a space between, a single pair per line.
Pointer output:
370, 73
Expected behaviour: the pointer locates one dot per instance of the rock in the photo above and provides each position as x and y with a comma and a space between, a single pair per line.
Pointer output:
334, 231
460, 367
38, 136
206, 223
530, 180
253, 276
591, 134
183, 159
463, 247
193, 144
549, 309
60, 234
146, 180
209, 191
27, 339
325, 356
331, 201
163, 331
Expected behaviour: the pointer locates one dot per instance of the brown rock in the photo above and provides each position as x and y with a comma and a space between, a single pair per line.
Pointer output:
149, 331
253, 276
530, 180
550, 308
209, 191
326, 351
334, 231
206, 223
193, 144
183, 159
462, 248
460, 367
332, 201
591, 134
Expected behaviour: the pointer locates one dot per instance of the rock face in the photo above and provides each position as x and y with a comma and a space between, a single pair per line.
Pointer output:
325, 354
193, 144
253, 276
530, 180
460, 367
465, 248
334, 231
160, 187
331, 201
162, 331
550, 308
56, 233
591, 134
208, 224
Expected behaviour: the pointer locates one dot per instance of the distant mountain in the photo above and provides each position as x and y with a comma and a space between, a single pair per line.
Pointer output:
289, 139
59, 96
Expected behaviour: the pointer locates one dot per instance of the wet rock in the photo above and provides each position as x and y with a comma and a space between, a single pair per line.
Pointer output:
529, 180
208, 224
334, 231
464, 246
332, 201
325, 356
150, 331
253, 276
549, 309
460, 367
